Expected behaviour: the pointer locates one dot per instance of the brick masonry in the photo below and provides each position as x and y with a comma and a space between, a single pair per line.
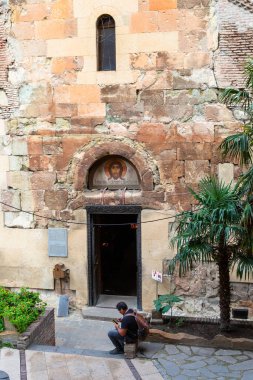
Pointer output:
40, 332
235, 36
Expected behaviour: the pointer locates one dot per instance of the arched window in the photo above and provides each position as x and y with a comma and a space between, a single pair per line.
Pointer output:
106, 46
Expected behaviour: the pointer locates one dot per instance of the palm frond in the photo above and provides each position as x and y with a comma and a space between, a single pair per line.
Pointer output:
238, 147
236, 97
243, 265
188, 255
245, 182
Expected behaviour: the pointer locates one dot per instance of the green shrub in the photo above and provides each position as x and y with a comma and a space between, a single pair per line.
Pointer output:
1, 324
20, 308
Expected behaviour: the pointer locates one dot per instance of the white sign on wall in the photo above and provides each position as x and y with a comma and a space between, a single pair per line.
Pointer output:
157, 276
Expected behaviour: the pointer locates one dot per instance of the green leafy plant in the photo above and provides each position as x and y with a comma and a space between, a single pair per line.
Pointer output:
1, 324
21, 308
165, 302
179, 322
6, 344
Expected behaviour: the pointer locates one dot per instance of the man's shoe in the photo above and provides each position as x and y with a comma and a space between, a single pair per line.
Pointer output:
116, 352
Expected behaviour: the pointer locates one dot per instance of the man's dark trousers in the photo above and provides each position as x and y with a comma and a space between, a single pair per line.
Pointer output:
116, 339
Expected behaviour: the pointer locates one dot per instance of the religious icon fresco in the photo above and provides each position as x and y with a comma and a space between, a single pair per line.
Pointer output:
114, 173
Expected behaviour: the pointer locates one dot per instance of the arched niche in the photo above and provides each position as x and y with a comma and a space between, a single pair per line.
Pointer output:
113, 172
85, 158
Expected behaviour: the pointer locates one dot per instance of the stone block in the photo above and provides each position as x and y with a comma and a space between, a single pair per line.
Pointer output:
61, 9
30, 12
196, 132
143, 61
19, 146
3, 181
160, 5
80, 94
151, 133
43, 181
11, 198
32, 200
52, 145
194, 151
144, 22
56, 200
2, 127
68, 47
218, 113
18, 220
19, 180
65, 110
23, 30
148, 42
49, 29
172, 170
117, 94
196, 170
5, 145
121, 6
4, 163
60, 65
226, 173
35, 145
130, 350
92, 109
197, 60
168, 20
33, 48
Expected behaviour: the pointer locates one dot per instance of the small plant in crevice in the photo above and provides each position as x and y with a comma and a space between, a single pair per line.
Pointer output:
165, 302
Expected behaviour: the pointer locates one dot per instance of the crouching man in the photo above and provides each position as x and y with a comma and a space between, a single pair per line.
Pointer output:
124, 332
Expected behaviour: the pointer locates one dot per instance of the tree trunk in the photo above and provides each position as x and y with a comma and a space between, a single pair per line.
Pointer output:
224, 290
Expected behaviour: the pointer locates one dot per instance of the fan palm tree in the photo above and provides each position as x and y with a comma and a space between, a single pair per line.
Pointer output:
214, 233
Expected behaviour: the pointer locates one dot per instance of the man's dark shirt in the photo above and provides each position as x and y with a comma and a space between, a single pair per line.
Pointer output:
129, 323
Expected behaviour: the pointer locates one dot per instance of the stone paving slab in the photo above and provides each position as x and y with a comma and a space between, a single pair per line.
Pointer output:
186, 362
10, 363
55, 366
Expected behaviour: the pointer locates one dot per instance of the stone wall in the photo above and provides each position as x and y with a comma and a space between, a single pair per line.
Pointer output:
159, 110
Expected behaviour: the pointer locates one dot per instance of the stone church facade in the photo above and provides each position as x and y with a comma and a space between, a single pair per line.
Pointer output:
106, 153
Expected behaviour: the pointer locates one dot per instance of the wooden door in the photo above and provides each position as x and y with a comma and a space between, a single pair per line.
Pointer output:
96, 264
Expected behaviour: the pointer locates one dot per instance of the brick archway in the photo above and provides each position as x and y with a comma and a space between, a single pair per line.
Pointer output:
84, 159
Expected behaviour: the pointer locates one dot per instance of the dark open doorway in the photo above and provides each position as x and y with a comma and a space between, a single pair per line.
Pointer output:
115, 245
114, 253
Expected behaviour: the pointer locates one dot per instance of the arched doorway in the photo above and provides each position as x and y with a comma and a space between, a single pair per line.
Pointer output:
114, 233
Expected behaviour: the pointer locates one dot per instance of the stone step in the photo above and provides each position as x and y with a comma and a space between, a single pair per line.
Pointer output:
72, 351
104, 313
100, 313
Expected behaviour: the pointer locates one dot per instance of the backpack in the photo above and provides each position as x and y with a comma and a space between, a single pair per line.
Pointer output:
143, 327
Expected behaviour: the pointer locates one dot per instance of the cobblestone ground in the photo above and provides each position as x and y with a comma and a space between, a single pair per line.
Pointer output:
188, 362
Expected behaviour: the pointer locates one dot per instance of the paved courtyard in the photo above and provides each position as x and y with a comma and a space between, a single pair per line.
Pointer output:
82, 353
